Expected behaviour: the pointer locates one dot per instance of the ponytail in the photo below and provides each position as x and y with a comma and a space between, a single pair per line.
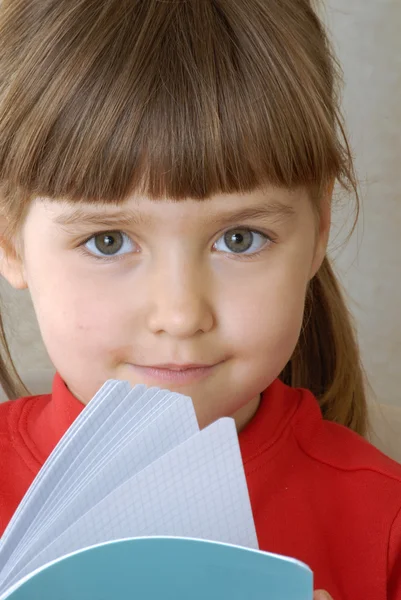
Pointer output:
10, 381
326, 360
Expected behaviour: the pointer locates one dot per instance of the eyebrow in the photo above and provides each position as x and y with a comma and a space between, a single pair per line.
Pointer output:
276, 211
83, 217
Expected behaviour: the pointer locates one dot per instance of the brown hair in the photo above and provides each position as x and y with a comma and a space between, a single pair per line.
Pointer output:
182, 99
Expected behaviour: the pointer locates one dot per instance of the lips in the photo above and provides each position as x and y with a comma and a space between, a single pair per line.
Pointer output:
174, 373
177, 367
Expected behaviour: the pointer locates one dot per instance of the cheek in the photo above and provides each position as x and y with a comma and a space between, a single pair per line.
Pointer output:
266, 316
74, 316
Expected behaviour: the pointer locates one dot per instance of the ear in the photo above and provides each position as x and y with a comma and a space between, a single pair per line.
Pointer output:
323, 231
11, 262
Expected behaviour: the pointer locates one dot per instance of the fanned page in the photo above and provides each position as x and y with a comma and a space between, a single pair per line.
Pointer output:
110, 453
133, 464
69, 446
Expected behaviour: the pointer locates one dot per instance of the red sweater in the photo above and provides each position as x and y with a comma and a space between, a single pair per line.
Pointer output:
319, 492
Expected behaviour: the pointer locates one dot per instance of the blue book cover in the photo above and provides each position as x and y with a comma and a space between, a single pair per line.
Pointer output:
159, 568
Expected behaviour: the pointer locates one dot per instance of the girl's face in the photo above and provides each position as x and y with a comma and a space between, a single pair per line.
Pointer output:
205, 298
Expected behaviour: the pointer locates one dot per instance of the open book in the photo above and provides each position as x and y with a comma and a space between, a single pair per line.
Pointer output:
136, 502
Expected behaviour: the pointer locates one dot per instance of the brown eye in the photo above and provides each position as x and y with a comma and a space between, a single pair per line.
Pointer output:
241, 241
238, 240
109, 244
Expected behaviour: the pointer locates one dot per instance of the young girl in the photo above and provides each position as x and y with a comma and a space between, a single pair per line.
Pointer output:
202, 139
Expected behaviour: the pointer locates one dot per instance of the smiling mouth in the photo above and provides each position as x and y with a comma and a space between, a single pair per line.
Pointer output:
175, 373
177, 367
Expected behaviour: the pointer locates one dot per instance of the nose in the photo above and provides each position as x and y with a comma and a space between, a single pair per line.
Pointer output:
180, 304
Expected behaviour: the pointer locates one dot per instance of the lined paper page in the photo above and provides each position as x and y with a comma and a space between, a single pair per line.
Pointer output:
147, 407
121, 423
196, 490
173, 425
68, 452
115, 409
23, 516
102, 413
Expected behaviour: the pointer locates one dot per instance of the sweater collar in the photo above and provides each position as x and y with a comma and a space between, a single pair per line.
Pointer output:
277, 407
56, 416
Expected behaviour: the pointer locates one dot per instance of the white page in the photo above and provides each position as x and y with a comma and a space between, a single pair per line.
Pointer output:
146, 408
197, 490
22, 517
71, 471
172, 427
108, 399
27, 498
99, 445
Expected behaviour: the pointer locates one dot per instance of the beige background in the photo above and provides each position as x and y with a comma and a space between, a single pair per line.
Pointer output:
368, 41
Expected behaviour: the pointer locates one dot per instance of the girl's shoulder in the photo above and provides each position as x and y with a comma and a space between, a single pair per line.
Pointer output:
20, 457
20, 421
337, 446
11, 411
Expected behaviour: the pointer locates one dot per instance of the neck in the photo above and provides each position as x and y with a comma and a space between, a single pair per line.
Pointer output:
244, 415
